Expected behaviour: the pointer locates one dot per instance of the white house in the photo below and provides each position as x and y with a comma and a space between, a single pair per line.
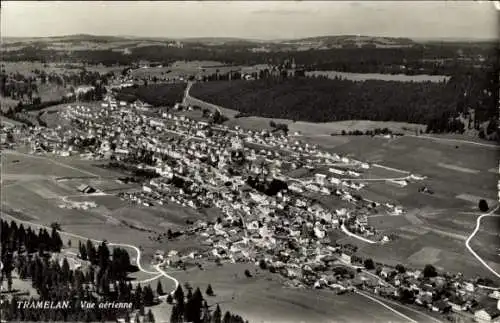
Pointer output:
320, 179
487, 315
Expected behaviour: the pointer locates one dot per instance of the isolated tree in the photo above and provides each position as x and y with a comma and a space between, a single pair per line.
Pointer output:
217, 315
159, 289
170, 299
247, 273
179, 295
150, 317
148, 296
205, 317
91, 252
400, 268
9, 283
209, 290
369, 264
176, 315
483, 205
227, 318
430, 271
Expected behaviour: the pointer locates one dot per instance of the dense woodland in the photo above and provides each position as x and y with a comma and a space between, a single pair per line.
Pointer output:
429, 58
323, 100
104, 279
154, 94
25, 88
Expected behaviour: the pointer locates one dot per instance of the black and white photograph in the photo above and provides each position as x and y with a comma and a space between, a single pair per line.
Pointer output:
250, 161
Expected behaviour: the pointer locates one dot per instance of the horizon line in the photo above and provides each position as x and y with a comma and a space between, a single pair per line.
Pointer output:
253, 39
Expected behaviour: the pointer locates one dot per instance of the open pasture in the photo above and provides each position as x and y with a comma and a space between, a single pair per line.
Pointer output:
27, 68
384, 222
263, 299
380, 173
38, 196
328, 128
423, 156
31, 164
423, 248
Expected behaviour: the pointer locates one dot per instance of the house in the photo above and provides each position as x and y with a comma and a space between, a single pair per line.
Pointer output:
320, 179
457, 304
469, 287
336, 171
159, 255
487, 315
441, 306
345, 258
495, 294
86, 189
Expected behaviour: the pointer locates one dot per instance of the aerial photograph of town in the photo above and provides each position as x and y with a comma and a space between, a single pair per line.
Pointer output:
250, 161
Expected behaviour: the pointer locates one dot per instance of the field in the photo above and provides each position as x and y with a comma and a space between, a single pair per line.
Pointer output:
383, 77
33, 187
435, 227
184, 69
28, 68
263, 299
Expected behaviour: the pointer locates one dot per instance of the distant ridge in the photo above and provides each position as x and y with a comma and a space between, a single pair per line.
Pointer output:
326, 39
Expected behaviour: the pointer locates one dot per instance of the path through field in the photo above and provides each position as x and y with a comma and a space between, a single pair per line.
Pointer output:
467, 242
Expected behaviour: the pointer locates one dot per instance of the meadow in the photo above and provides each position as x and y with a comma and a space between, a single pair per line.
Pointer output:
37, 199
436, 225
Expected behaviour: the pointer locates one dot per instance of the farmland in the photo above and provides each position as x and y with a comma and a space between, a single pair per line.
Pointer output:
34, 189
281, 304
436, 225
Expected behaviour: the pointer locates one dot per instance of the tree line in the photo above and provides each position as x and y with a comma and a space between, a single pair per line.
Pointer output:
154, 94
430, 58
104, 279
323, 100
194, 308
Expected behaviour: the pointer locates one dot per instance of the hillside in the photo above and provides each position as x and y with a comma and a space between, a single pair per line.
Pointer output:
323, 100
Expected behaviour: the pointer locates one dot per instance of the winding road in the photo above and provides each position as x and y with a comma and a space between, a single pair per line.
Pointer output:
467, 242
344, 229
158, 273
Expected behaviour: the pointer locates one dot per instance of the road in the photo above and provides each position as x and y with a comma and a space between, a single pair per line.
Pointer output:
385, 305
122, 245
160, 272
344, 229
467, 242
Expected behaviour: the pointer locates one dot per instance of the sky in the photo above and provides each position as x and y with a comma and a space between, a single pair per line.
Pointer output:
252, 19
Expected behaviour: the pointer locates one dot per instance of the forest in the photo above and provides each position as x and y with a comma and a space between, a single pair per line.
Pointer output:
154, 94
428, 58
323, 100
29, 253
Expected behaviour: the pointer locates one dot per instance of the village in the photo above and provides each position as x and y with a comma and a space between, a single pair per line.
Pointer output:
268, 187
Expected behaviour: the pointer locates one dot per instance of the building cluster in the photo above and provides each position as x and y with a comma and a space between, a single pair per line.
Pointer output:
270, 213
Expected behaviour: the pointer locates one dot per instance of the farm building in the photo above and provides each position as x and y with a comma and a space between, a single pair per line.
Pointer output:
87, 189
